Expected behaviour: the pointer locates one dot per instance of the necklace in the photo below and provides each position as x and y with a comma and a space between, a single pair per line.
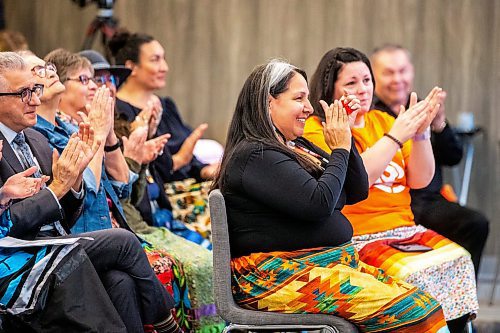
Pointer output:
318, 159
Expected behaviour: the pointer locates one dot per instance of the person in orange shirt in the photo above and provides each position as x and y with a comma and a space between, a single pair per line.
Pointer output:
397, 155
433, 208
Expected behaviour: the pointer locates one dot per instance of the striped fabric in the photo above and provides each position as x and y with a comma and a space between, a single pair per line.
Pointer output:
446, 272
24, 273
334, 281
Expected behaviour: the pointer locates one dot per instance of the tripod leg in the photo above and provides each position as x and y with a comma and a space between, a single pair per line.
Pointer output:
92, 29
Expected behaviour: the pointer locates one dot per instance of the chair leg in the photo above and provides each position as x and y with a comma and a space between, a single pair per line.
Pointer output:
468, 327
495, 278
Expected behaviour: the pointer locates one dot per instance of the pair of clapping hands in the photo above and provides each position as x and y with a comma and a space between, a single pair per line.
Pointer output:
94, 130
66, 169
415, 120
143, 151
20, 185
141, 147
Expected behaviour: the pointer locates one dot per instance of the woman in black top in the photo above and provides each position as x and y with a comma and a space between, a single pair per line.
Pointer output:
290, 244
145, 56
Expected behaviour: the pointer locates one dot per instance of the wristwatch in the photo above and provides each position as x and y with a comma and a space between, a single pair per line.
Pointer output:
114, 147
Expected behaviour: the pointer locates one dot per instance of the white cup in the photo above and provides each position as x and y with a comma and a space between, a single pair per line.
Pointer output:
465, 121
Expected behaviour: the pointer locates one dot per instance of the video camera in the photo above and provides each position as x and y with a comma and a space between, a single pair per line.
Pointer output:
103, 22
105, 6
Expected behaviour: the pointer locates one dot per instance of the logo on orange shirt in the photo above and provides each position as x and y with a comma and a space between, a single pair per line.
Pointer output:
390, 180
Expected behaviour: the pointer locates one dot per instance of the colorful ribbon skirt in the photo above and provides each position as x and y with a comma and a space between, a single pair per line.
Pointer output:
446, 271
332, 280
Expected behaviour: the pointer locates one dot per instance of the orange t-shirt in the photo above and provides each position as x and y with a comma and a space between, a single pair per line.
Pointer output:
388, 203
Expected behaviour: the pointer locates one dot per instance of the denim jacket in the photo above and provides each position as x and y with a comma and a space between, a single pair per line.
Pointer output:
95, 215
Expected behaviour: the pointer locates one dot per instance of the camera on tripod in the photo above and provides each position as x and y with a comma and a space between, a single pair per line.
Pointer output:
105, 6
104, 22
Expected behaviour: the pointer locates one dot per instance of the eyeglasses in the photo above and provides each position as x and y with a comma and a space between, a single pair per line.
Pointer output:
103, 79
84, 79
27, 93
41, 71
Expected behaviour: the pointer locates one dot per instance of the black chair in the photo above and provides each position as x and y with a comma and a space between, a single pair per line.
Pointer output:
250, 320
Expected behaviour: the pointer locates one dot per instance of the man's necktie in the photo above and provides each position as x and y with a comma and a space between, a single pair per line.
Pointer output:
23, 151
24, 154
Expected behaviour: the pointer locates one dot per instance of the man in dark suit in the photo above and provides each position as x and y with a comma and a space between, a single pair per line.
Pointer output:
116, 254
58, 202
33, 213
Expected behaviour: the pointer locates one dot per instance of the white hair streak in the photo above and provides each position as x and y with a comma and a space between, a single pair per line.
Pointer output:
278, 69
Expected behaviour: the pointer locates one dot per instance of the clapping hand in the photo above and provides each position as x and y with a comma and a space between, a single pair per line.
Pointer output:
439, 121
66, 168
150, 116
100, 113
22, 185
133, 146
185, 153
354, 104
90, 144
336, 126
435, 100
409, 121
154, 147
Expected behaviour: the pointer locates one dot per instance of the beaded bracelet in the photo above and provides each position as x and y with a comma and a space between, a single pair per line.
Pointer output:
400, 144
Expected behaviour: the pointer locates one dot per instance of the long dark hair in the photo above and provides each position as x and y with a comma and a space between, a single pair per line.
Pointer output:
323, 80
251, 119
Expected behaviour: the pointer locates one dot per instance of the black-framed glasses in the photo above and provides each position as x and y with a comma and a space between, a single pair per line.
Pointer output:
84, 79
103, 79
26, 93
41, 71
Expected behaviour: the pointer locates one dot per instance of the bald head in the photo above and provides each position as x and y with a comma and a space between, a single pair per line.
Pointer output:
394, 75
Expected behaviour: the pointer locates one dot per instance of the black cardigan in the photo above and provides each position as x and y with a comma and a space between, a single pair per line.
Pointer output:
274, 204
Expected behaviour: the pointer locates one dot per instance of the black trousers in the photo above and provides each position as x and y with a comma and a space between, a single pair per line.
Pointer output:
464, 226
133, 287
73, 300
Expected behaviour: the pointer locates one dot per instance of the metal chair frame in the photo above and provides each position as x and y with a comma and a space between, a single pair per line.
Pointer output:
250, 320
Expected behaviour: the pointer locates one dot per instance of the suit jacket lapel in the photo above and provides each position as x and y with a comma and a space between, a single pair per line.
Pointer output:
10, 157
39, 151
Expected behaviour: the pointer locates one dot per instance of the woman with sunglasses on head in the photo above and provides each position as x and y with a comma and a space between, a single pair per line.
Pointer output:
397, 155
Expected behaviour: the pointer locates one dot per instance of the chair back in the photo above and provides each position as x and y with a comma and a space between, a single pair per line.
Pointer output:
243, 319
224, 300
